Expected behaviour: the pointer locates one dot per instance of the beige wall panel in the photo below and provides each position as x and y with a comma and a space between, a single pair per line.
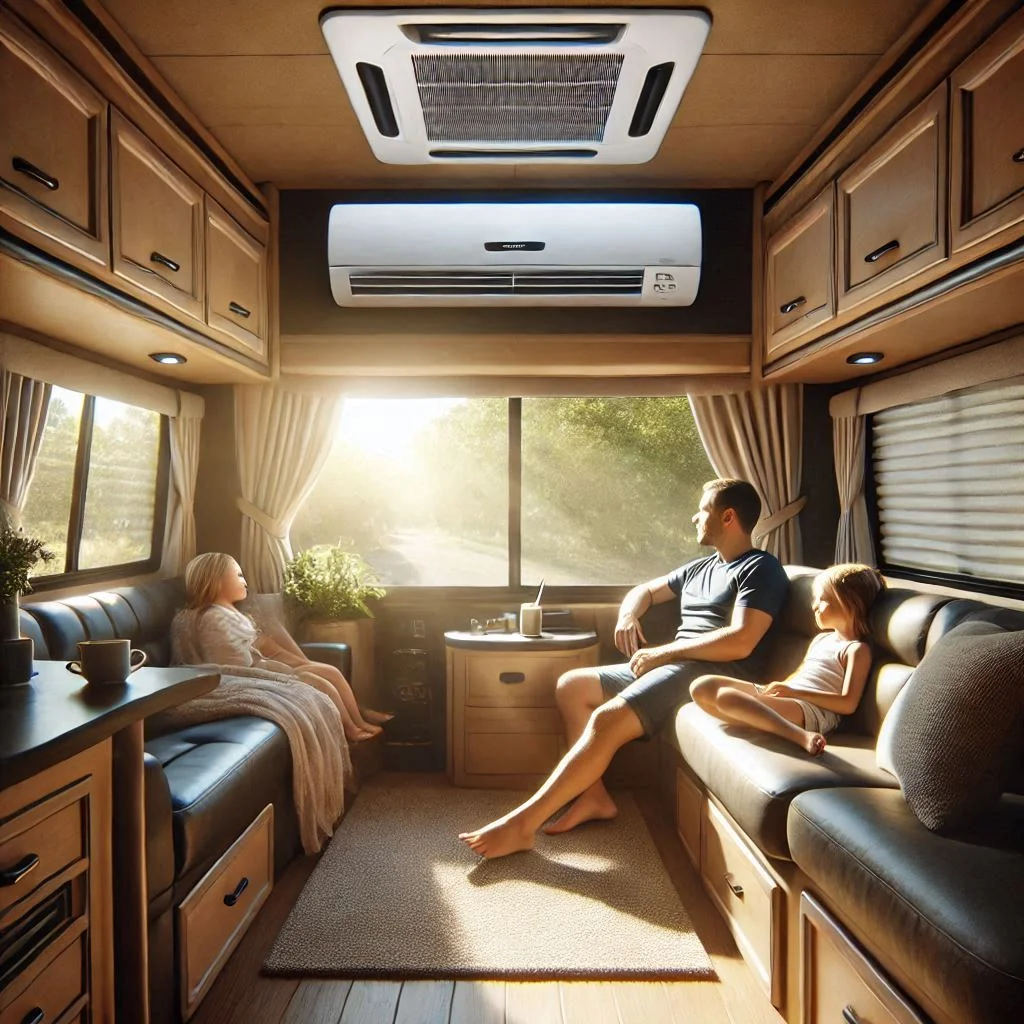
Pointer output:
260, 90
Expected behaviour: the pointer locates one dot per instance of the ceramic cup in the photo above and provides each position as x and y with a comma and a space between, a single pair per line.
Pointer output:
106, 661
530, 618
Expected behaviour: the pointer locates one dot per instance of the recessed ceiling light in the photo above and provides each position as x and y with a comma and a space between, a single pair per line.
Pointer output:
865, 358
167, 358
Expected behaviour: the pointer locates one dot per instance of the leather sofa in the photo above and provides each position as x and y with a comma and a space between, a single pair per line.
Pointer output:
943, 918
204, 784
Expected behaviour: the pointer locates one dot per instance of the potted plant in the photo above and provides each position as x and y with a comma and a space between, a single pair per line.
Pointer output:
19, 554
327, 590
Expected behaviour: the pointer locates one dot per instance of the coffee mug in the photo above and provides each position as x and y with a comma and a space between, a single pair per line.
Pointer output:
106, 661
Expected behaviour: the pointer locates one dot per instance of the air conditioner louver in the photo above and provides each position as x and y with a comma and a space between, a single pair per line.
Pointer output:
439, 284
524, 85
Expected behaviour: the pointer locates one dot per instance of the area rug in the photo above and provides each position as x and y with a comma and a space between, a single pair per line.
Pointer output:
397, 895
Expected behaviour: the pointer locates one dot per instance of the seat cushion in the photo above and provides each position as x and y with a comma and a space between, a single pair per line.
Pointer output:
756, 775
943, 915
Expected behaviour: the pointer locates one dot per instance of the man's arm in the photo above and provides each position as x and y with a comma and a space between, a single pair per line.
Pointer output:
628, 635
729, 643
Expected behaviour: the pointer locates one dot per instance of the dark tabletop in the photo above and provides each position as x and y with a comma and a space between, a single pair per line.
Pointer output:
58, 714
562, 640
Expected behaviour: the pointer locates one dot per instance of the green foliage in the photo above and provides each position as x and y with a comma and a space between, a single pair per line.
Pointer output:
18, 555
328, 582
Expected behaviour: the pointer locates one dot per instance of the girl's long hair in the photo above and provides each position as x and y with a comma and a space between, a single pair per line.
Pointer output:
204, 576
856, 587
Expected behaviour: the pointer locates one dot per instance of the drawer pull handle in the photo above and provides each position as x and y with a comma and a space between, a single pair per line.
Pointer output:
165, 261
239, 310
30, 170
874, 257
13, 875
788, 307
512, 677
34, 1016
734, 887
850, 1015
233, 897
1018, 157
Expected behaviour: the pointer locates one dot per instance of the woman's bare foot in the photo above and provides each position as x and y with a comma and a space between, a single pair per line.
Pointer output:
813, 743
376, 717
354, 734
372, 730
499, 838
586, 807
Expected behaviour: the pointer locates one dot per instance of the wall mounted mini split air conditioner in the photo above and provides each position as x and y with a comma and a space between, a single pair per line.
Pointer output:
514, 254
532, 85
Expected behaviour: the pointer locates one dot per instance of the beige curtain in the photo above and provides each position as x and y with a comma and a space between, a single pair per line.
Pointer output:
849, 437
282, 440
180, 531
22, 420
757, 436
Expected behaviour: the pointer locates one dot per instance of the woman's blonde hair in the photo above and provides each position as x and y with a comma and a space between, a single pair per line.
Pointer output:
856, 588
204, 576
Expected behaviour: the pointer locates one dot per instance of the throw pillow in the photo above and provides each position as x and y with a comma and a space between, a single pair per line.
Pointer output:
949, 733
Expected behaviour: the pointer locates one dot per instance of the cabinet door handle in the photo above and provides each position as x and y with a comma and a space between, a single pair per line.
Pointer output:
512, 677
850, 1015
734, 887
877, 254
1018, 157
34, 1016
166, 261
239, 310
13, 875
24, 167
788, 307
233, 897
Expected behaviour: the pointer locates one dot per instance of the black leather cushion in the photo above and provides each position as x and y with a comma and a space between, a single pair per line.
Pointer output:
755, 775
159, 840
944, 916
954, 727
154, 605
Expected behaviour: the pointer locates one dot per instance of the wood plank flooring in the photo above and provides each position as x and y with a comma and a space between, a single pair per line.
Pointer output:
241, 995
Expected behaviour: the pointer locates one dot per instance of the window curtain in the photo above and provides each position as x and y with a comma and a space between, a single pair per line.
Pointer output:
849, 440
282, 440
180, 532
25, 402
757, 436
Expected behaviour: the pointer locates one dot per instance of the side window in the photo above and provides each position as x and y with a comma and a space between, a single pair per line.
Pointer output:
97, 495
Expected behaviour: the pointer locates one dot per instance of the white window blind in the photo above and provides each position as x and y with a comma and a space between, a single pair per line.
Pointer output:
949, 482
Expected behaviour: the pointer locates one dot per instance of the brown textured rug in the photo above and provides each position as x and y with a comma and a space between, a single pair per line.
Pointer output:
397, 895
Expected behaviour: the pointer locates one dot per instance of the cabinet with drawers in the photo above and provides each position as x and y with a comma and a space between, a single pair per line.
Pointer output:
504, 730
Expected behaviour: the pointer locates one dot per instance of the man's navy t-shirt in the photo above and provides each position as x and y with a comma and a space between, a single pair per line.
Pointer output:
709, 590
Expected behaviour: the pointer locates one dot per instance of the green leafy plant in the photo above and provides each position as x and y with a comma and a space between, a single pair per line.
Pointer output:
328, 582
18, 556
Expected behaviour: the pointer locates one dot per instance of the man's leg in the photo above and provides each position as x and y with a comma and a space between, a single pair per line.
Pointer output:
609, 727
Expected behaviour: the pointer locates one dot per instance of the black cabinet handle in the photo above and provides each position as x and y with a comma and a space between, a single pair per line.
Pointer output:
734, 887
13, 875
34, 1016
512, 677
877, 254
788, 307
239, 310
166, 261
24, 167
1018, 157
850, 1015
233, 897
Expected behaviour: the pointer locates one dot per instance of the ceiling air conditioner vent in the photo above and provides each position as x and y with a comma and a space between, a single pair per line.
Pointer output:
525, 85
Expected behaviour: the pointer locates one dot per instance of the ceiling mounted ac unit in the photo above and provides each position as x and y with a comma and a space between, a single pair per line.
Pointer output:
532, 85
514, 254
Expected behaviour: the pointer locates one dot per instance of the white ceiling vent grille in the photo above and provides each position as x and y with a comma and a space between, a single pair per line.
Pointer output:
597, 86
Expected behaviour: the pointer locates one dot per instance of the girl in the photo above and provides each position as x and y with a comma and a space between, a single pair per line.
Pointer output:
829, 681
211, 630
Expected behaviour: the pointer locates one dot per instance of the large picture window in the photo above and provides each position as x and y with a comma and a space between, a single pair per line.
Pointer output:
488, 492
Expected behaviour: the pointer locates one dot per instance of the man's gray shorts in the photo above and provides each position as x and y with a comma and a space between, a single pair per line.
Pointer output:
656, 694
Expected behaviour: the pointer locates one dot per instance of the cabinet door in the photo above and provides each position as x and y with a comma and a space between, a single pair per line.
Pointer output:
800, 292
157, 221
892, 205
987, 125
236, 296
53, 151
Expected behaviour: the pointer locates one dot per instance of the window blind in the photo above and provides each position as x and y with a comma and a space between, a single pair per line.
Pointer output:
949, 483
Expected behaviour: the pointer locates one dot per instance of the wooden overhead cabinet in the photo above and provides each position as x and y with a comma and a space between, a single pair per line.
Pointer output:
987, 125
53, 151
800, 293
157, 221
892, 206
236, 294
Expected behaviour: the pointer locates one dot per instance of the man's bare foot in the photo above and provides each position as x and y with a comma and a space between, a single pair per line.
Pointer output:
813, 743
376, 717
499, 838
585, 807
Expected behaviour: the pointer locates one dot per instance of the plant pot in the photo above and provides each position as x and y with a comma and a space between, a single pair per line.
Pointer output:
10, 619
16, 661
359, 635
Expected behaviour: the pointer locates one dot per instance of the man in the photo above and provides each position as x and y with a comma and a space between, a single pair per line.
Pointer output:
728, 602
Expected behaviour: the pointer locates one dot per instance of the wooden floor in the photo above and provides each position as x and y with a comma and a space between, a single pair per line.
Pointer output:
241, 995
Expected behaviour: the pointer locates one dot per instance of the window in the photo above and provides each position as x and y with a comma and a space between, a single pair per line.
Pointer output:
495, 492
949, 486
98, 490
